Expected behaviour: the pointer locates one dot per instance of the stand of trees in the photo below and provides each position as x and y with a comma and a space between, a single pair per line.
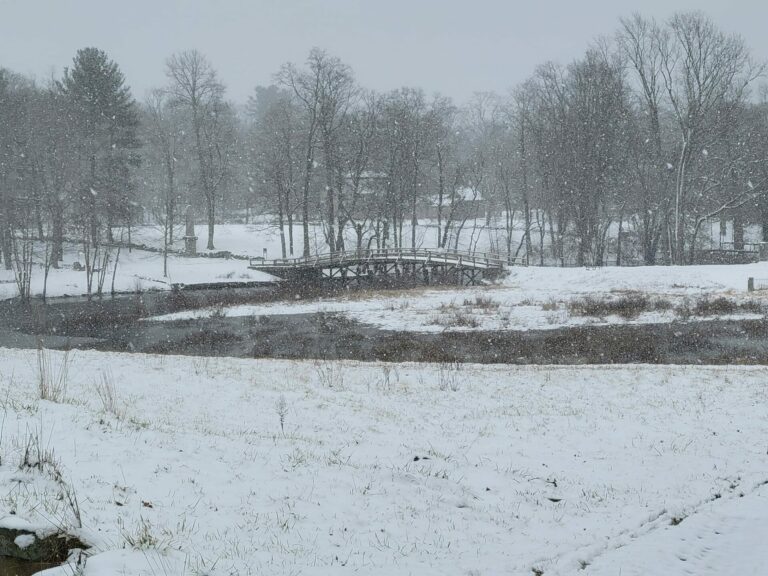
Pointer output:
624, 153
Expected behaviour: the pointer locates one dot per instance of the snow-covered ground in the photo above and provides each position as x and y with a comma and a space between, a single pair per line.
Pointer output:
136, 270
253, 239
478, 235
146, 269
227, 466
529, 298
241, 239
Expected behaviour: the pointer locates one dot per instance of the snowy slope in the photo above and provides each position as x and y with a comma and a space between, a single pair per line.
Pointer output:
378, 469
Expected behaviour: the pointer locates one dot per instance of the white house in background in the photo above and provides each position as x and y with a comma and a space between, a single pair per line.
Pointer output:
465, 200
371, 182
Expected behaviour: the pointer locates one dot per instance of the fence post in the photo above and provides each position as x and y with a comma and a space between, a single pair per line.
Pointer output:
750, 284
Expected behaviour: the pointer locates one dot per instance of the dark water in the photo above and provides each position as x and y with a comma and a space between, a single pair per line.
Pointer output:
117, 327
332, 337
14, 567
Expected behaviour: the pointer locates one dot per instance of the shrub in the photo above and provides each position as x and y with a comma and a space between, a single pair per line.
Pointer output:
482, 302
218, 311
107, 394
550, 305
52, 381
448, 376
145, 537
684, 311
34, 457
281, 407
329, 374
628, 307
706, 307
455, 319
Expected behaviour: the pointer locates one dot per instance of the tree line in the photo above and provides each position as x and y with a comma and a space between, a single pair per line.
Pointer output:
623, 154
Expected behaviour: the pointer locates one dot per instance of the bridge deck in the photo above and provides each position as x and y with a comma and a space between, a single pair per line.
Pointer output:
456, 258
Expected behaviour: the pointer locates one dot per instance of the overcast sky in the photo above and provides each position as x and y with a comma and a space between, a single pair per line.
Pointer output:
455, 47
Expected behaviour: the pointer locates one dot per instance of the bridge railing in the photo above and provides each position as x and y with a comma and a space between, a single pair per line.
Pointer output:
448, 256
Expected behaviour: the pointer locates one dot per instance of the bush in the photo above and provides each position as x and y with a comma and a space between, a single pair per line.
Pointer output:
455, 319
52, 381
448, 376
550, 305
482, 302
707, 307
628, 307
218, 312
107, 394
720, 306
329, 374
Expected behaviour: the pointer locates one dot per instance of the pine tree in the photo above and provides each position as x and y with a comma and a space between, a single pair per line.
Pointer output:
105, 117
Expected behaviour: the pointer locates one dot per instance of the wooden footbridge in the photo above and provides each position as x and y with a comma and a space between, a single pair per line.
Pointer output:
406, 265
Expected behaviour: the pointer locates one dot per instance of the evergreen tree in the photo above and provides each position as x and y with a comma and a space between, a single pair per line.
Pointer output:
105, 118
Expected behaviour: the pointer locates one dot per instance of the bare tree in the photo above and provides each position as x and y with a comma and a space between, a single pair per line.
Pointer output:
306, 86
275, 134
53, 153
358, 180
194, 85
405, 147
702, 69
164, 136
651, 160
324, 89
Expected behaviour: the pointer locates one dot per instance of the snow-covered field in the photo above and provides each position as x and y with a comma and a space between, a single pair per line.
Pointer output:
226, 466
529, 298
136, 270
144, 269
251, 239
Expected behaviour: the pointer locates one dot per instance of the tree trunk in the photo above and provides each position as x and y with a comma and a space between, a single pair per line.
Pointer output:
440, 195
305, 219
290, 232
166, 243
331, 219
526, 204
5, 240
738, 232
281, 224
764, 218
618, 239
692, 249
57, 237
359, 232
679, 245
340, 244
211, 206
